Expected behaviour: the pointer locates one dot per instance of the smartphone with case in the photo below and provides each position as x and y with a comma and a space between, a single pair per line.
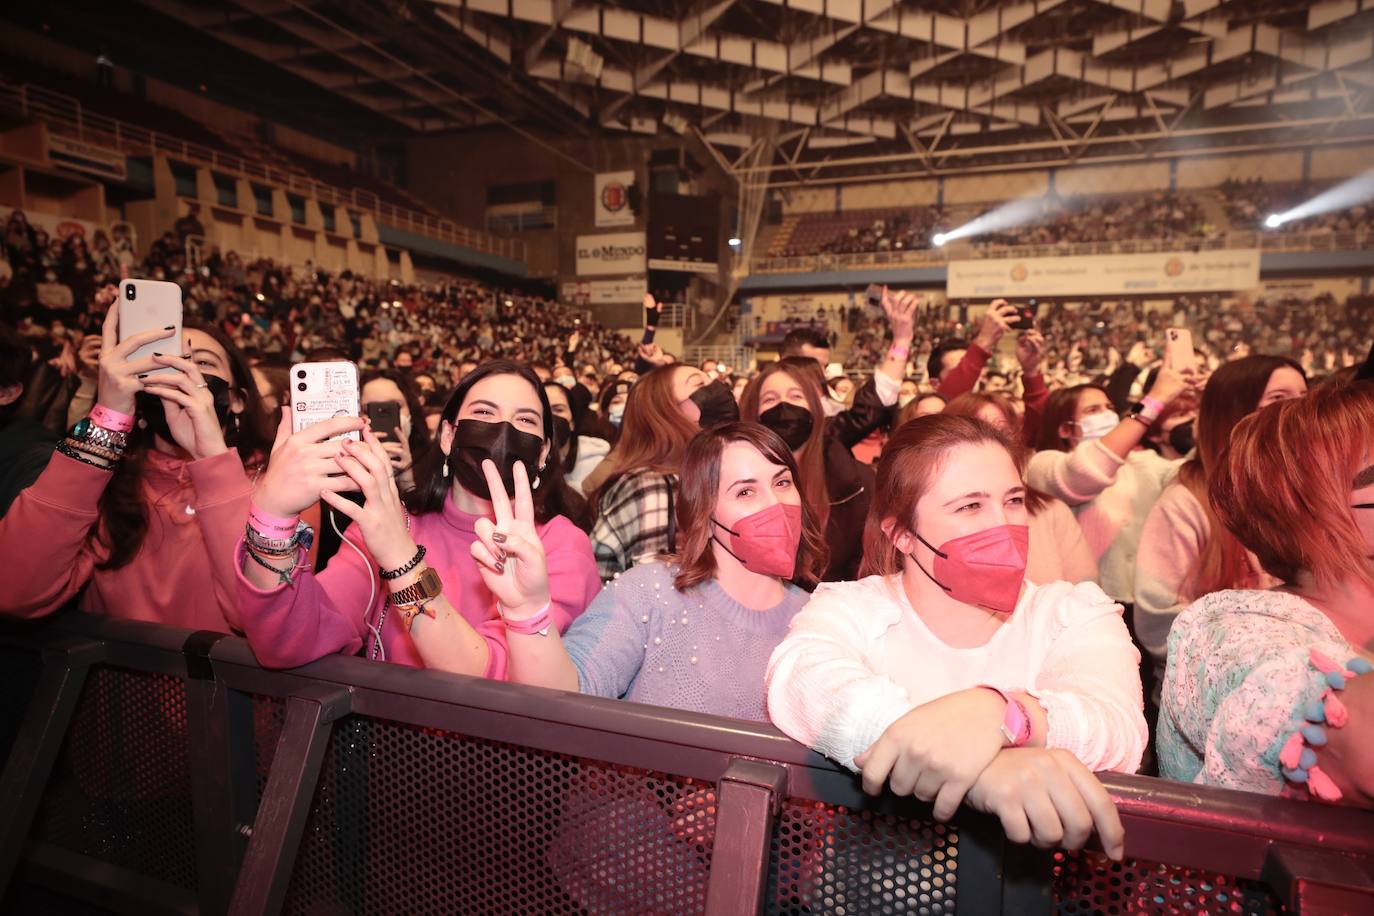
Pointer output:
1025, 316
151, 305
1178, 349
874, 296
384, 418
324, 391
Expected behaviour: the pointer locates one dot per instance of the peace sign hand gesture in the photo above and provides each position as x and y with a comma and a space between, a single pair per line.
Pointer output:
508, 552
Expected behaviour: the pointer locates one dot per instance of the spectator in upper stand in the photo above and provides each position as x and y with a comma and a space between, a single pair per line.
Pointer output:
189, 224
412, 561
1272, 691
1184, 554
806, 342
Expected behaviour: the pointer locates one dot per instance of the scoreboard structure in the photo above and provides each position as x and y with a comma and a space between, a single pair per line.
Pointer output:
683, 233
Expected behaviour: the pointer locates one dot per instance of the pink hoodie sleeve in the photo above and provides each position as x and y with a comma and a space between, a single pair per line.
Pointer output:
573, 583
46, 534
222, 493
293, 625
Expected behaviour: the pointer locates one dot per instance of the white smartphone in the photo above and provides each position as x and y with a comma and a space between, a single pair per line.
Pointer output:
1178, 352
324, 391
151, 305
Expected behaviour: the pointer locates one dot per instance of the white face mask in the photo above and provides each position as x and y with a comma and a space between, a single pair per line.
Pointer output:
567, 381
1097, 425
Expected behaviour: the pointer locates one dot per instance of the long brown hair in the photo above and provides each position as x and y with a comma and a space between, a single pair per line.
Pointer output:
806, 372
910, 461
700, 488
123, 520
653, 433
1060, 409
1232, 394
969, 404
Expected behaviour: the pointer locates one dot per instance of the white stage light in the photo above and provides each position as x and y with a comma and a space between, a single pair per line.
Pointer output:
735, 243
1342, 197
938, 239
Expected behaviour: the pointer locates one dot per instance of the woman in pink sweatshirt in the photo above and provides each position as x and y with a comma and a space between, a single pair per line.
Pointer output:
140, 507
406, 587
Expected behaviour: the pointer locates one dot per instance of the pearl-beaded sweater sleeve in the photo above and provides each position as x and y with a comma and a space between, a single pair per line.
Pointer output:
606, 644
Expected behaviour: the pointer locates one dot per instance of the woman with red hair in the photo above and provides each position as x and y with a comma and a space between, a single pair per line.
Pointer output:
1269, 691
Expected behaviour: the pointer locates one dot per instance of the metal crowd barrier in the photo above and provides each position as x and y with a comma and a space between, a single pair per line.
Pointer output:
156, 770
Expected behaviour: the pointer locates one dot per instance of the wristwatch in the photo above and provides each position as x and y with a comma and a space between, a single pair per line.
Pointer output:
86, 430
424, 589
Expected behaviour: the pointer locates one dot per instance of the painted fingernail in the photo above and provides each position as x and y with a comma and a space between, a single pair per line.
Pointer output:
502, 556
144, 375
498, 537
500, 567
170, 327
155, 353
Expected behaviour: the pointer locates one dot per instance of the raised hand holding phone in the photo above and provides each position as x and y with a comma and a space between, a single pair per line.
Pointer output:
509, 554
381, 518
119, 372
304, 466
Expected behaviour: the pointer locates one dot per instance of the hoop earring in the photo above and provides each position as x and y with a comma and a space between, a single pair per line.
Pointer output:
446, 467
537, 476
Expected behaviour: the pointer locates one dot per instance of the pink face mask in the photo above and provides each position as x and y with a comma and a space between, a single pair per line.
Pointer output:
985, 568
766, 542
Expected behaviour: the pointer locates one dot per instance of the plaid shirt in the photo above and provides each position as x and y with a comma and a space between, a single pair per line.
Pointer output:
632, 524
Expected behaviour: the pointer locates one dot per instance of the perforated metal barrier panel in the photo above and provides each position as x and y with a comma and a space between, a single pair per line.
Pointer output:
121, 790
403, 818
416, 820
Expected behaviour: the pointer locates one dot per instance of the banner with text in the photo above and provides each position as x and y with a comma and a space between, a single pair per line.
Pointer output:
613, 199
1095, 275
616, 253
604, 292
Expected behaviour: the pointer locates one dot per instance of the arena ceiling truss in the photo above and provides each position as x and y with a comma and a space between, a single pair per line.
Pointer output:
840, 89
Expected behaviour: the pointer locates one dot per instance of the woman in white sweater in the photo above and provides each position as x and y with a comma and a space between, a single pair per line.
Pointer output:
1092, 459
944, 674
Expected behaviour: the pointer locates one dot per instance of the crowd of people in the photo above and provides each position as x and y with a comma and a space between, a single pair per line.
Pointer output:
1119, 563
1250, 202
1057, 221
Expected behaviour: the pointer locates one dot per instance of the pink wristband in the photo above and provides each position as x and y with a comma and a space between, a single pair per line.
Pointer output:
538, 625
1154, 405
268, 520
899, 351
112, 420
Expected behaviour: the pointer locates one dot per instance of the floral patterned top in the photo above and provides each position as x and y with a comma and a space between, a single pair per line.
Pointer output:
1238, 680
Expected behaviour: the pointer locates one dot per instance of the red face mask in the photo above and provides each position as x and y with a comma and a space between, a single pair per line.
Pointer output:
985, 568
766, 542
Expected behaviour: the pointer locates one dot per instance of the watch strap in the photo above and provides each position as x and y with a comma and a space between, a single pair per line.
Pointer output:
424, 589
1016, 724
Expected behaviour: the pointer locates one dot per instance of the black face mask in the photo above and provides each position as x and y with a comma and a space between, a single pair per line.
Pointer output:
1181, 438
562, 432
792, 423
153, 413
717, 404
475, 440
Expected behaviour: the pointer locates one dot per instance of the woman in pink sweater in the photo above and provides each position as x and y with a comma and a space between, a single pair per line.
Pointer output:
406, 586
140, 507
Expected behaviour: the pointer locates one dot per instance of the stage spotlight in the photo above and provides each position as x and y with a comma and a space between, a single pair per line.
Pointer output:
735, 243
1343, 196
938, 239
1274, 221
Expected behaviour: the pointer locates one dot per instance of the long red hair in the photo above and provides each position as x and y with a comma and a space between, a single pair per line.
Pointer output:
1283, 486
806, 372
1232, 393
910, 461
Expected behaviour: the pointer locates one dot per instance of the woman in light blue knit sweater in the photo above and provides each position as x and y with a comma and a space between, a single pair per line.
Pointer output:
695, 631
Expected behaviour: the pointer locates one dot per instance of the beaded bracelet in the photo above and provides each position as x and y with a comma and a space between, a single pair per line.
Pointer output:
97, 451
400, 571
1298, 758
64, 449
283, 575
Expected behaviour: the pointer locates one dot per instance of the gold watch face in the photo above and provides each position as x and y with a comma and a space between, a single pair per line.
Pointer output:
429, 583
